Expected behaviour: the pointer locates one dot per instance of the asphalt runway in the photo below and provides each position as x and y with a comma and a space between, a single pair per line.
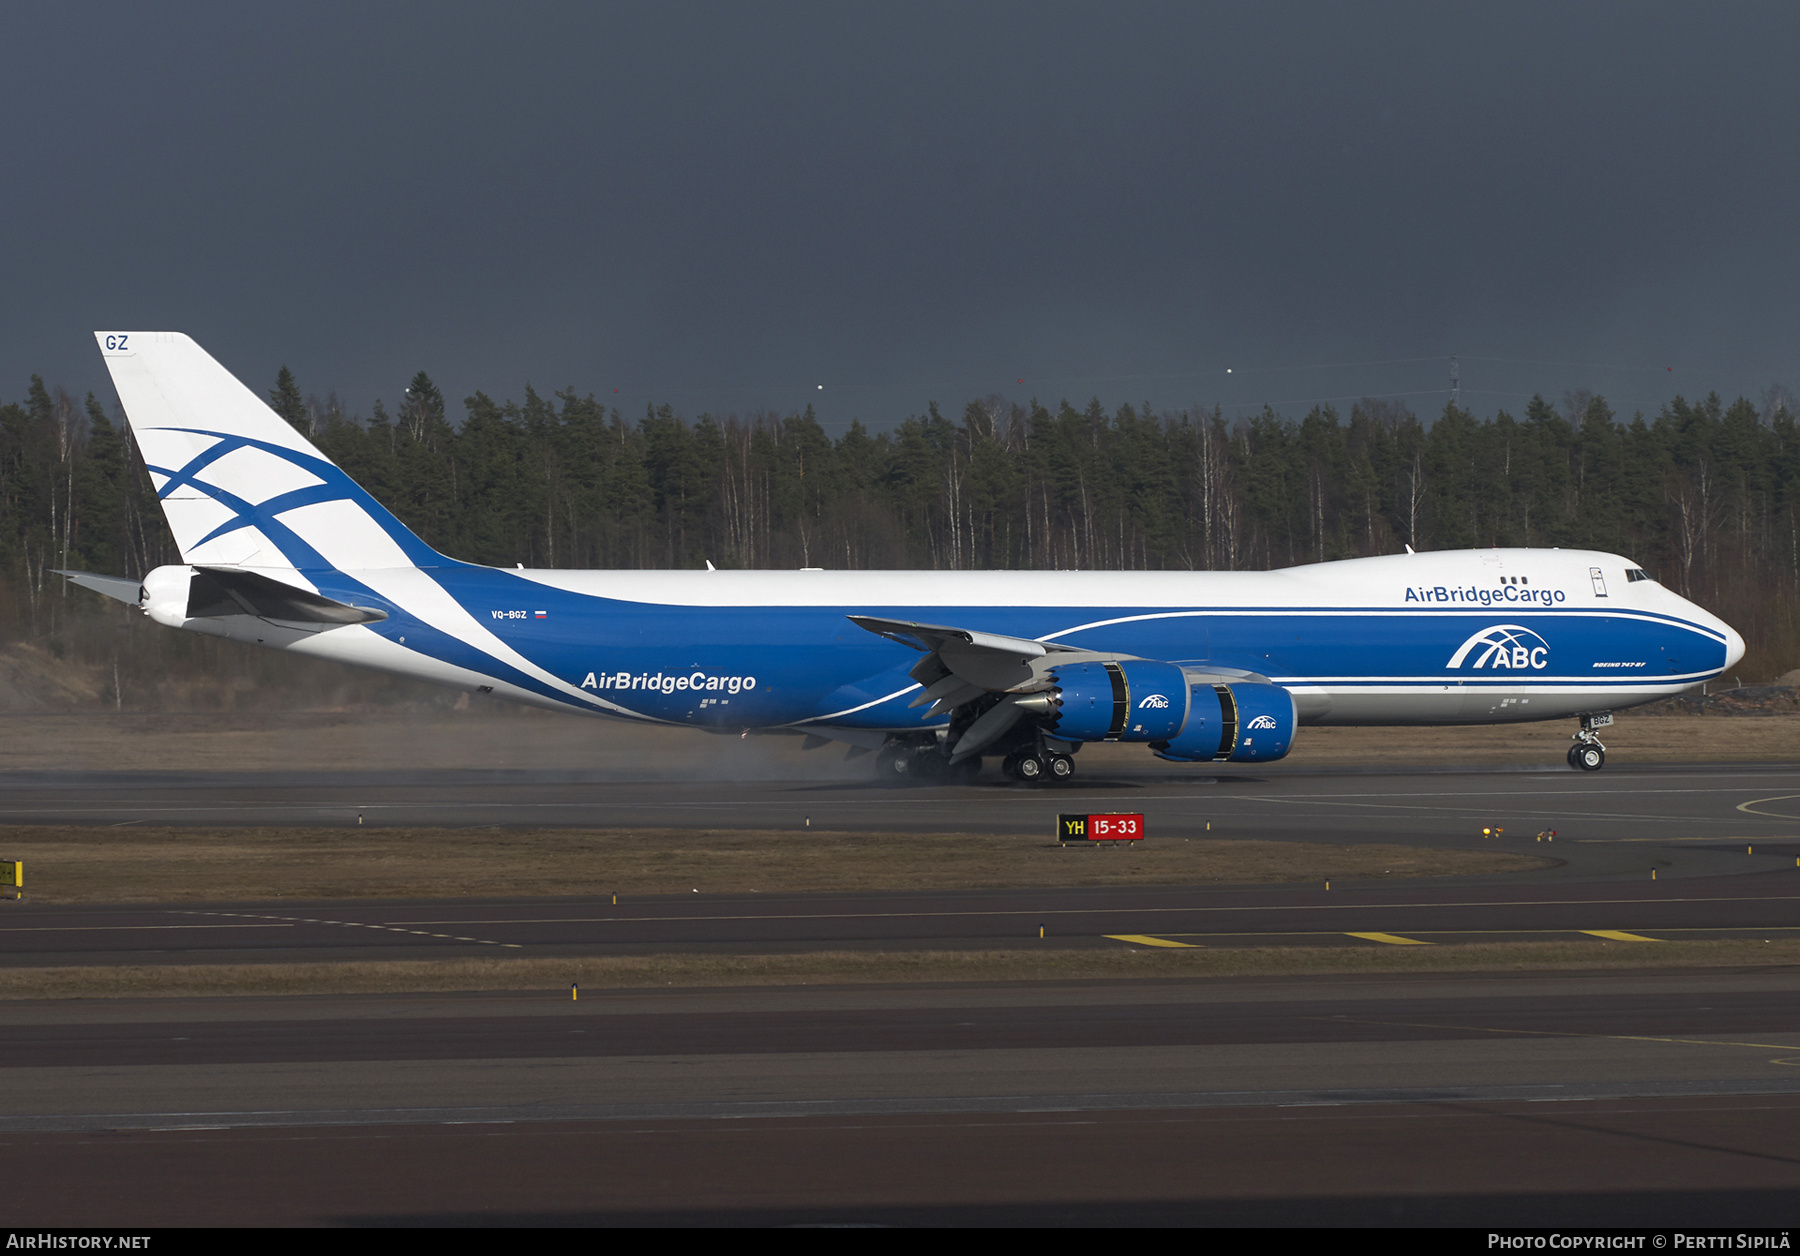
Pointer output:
1625, 1164
1600, 1098
1723, 842
1636, 1099
1656, 803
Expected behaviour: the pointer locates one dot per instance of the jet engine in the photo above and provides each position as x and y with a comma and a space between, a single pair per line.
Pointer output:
1239, 721
1133, 700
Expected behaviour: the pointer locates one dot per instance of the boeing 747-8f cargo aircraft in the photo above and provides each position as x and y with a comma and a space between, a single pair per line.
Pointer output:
932, 669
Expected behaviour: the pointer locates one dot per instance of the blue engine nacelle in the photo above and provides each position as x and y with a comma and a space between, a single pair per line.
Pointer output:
1136, 700
1243, 722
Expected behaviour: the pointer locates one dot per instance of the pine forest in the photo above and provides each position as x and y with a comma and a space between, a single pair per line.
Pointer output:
1704, 494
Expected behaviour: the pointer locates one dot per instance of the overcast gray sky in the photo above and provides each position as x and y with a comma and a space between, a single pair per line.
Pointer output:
726, 206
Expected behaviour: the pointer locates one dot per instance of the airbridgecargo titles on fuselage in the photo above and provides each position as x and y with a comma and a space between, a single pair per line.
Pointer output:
664, 682
1476, 595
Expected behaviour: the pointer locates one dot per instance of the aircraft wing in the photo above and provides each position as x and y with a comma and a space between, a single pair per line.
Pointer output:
961, 664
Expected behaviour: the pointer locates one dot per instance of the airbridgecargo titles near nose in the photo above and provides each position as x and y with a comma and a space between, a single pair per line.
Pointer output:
1472, 595
934, 670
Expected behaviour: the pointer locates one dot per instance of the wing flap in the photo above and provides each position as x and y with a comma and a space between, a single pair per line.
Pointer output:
987, 661
930, 638
988, 728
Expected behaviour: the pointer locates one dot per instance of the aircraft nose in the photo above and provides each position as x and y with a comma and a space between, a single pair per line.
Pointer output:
1734, 647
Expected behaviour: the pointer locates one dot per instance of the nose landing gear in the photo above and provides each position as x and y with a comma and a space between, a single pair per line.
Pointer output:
1587, 753
1587, 758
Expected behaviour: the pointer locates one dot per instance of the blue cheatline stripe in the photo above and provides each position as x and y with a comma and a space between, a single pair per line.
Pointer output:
1650, 681
1389, 612
446, 647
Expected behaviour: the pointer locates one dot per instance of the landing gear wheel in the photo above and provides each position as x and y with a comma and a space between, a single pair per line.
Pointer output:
1588, 754
1028, 768
929, 767
893, 763
1061, 768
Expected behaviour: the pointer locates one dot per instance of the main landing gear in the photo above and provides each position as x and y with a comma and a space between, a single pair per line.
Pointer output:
1031, 766
924, 761
1587, 753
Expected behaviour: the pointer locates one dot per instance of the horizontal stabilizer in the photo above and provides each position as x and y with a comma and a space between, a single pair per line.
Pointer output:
124, 588
217, 591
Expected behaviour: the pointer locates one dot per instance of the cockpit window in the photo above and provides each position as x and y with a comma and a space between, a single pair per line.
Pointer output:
1635, 574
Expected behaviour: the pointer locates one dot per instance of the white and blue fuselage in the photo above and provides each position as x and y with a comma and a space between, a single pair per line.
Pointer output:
282, 549
1468, 637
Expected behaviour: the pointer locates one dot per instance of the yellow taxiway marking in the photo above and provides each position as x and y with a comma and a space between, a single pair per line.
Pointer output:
1392, 939
1144, 939
1617, 935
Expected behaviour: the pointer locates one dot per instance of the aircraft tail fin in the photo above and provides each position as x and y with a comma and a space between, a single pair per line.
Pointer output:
238, 485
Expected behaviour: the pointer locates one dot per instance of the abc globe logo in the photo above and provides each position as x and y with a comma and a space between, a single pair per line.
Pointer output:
1155, 702
1509, 646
